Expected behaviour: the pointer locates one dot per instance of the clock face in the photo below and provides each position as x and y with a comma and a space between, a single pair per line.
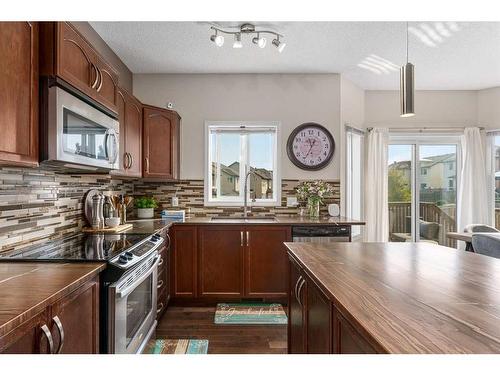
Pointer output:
310, 146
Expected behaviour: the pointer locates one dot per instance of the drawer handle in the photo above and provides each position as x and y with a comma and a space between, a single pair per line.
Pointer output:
160, 284
48, 335
299, 293
160, 307
61, 333
296, 287
161, 262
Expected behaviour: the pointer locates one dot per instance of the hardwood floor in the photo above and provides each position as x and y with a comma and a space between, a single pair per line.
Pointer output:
198, 323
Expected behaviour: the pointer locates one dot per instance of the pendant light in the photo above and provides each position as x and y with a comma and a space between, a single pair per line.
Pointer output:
407, 88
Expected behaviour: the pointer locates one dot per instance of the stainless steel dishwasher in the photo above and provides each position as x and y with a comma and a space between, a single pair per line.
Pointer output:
322, 234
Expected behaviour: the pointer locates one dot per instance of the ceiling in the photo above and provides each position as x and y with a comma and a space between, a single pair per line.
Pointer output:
446, 55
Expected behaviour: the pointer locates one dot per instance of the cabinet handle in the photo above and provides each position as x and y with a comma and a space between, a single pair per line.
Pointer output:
48, 335
131, 160
96, 76
146, 159
296, 287
160, 284
100, 83
161, 262
61, 333
160, 306
125, 160
299, 296
241, 238
248, 238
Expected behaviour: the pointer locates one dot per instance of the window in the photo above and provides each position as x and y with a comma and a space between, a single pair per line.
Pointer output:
235, 149
354, 175
423, 186
450, 167
423, 171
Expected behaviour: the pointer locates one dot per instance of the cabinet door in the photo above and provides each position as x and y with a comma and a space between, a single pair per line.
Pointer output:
75, 60
28, 338
347, 339
184, 267
319, 315
133, 136
296, 312
106, 90
221, 261
78, 315
160, 131
266, 261
19, 93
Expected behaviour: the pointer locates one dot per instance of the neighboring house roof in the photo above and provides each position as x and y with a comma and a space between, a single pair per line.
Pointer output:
227, 170
425, 163
261, 172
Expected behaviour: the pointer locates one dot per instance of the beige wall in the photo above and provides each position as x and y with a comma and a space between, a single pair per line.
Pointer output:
488, 108
291, 99
432, 108
352, 104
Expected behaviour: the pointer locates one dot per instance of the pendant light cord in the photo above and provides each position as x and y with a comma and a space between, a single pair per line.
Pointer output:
407, 42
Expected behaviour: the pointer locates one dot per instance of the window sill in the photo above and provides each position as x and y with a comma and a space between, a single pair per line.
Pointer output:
240, 204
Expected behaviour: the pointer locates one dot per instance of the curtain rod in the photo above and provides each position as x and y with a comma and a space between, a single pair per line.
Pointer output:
426, 128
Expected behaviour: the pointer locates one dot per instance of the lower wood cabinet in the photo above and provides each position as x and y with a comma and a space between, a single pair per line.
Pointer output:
226, 262
315, 325
70, 325
220, 261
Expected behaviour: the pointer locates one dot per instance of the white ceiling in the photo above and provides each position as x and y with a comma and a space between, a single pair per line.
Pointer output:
447, 55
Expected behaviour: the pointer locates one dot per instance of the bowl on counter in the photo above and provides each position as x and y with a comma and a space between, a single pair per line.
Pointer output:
112, 222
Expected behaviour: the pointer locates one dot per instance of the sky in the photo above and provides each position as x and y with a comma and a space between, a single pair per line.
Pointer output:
403, 152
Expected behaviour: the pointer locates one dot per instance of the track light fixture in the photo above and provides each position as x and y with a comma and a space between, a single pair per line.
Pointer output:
217, 39
247, 29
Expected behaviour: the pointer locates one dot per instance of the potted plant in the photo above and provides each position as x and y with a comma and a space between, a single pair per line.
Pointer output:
313, 193
145, 207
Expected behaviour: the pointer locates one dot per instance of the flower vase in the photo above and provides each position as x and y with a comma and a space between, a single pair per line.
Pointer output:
313, 207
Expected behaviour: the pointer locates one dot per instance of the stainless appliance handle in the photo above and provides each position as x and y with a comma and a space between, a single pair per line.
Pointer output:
48, 335
61, 333
130, 288
110, 134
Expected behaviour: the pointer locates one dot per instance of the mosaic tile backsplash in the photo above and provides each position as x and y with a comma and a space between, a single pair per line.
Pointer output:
38, 205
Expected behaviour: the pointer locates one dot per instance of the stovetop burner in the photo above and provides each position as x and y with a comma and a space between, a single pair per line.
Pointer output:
80, 247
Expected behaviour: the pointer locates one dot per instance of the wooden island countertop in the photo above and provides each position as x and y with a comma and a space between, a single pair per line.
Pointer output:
27, 288
409, 297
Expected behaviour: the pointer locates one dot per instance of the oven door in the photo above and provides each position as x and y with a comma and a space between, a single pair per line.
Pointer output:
132, 308
81, 134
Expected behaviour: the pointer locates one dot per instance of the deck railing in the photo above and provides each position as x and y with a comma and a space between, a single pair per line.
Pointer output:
400, 219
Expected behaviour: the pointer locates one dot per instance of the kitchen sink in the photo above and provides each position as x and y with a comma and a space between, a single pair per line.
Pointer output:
251, 219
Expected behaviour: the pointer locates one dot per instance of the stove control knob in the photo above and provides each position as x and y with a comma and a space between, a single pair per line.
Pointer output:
129, 255
122, 259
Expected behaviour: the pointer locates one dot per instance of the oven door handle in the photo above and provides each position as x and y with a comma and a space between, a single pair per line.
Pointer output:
123, 293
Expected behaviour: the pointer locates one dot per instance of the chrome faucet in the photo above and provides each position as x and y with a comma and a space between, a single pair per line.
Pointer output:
245, 201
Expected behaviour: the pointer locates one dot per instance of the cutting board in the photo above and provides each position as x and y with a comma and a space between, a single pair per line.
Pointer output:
119, 228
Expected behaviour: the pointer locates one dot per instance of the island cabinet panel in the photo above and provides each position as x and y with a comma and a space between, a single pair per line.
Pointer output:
184, 261
75, 323
19, 93
221, 261
27, 338
296, 312
161, 137
266, 270
347, 339
318, 316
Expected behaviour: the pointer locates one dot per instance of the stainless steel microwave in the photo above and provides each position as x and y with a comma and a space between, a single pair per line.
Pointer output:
77, 134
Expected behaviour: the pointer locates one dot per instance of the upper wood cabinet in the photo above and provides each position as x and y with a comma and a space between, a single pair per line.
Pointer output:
161, 143
19, 93
66, 54
130, 117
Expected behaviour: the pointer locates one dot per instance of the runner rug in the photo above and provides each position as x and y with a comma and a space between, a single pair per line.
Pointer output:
250, 313
181, 346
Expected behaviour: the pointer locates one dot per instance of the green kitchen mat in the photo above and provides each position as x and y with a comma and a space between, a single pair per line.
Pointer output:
250, 313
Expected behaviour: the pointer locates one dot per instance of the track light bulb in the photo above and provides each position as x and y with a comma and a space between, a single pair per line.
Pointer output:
261, 42
217, 39
279, 45
237, 41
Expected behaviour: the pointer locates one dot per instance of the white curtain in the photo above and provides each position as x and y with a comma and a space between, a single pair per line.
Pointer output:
376, 200
475, 190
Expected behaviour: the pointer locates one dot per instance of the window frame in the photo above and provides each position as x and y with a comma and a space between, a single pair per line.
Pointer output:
244, 152
357, 231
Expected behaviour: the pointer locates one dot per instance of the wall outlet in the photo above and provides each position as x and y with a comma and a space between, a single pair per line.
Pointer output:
291, 202
175, 201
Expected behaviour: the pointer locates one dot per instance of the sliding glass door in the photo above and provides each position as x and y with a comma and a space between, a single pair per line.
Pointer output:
422, 187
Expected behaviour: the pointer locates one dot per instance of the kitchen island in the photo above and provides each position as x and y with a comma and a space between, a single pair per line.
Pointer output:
392, 298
